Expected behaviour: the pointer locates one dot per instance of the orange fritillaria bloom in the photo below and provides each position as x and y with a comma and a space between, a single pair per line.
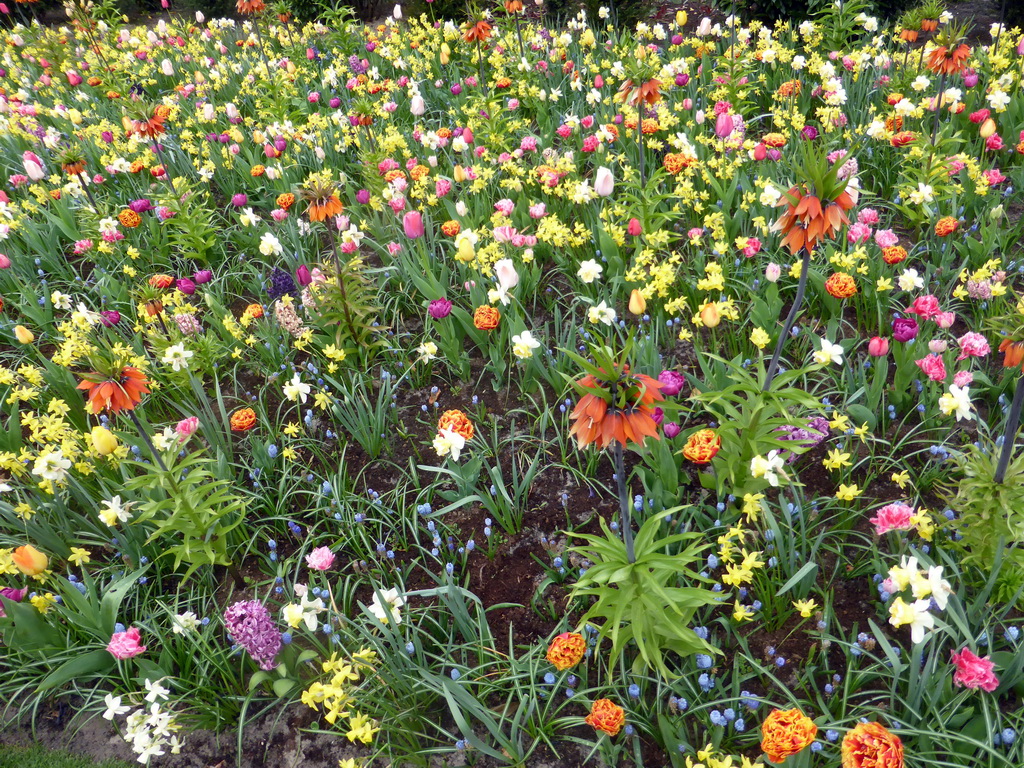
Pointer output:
946, 61
250, 6
149, 127
1013, 353
634, 94
325, 207
478, 32
118, 393
806, 221
595, 421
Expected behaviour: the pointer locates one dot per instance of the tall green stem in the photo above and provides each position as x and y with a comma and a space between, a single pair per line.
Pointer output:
801, 287
1010, 433
620, 482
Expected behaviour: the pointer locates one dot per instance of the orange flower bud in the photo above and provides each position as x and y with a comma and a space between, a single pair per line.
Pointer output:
637, 303
30, 560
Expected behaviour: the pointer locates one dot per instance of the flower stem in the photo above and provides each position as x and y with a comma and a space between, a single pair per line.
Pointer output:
620, 482
146, 440
773, 367
1010, 434
640, 136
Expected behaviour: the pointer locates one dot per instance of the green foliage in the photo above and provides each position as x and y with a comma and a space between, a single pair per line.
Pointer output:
40, 757
641, 601
193, 509
990, 515
749, 418
347, 305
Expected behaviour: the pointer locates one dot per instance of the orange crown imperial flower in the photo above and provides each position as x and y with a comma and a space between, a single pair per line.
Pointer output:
617, 407
323, 199
566, 650
807, 220
1013, 353
702, 446
785, 733
480, 31
870, 745
457, 422
607, 716
119, 392
949, 61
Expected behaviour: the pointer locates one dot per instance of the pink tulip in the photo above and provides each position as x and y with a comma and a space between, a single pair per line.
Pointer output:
878, 347
412, 222
723, 125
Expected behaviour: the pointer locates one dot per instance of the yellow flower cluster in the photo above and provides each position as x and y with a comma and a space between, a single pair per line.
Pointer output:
335, 696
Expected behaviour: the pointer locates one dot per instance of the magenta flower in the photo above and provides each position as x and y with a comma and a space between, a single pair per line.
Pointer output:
125, 645
904, 329
12, 594
439, 309
185, 285
239, 199
202, 276
320, 559
110, 317
673, 383
973, 671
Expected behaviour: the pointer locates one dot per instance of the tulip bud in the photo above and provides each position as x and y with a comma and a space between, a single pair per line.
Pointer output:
461, 208
604, 182
699, 117
23, 334
671, 429
29, 560
303, 276
772, 272
5, 261
723, 125
710, 316
417, 106
634, 227
103, 441
878, 347
938, 346
681, 18
398, 13
987, 128
446, 53
637, 303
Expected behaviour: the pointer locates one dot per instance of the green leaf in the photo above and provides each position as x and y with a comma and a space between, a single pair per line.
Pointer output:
798, 577
95, 662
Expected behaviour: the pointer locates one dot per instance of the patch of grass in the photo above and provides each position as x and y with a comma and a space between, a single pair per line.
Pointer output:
40, 757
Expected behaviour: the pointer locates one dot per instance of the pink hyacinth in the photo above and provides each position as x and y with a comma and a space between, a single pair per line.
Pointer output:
892, 517
125, 645
973, 671
320, 559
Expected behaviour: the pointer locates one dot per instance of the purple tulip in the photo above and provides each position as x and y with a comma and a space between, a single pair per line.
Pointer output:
185, 285
677, 40
412, 222
110, 317
673, 383
809, 132
12, 594
140, 206
108, 137
280, 143
239, 199
363, 196
904, 329
303, 275
658, 415
335, 103
456, 89
682, 78
671, 429
202, 276
439, 309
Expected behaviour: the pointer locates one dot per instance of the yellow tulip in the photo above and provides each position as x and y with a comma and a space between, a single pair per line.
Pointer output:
104, 441
681, 18
988, 128
75, 116
30, 560
446, 53
637, 303
459, 174
710, 315
23, 334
